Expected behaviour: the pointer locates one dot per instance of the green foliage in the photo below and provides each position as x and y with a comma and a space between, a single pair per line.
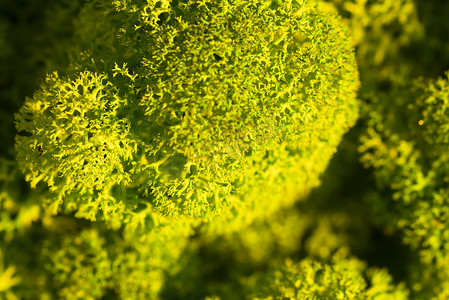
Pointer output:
77, 142
162, 124
159, 122
381, 30
79, 266
343, 279
167, 149
86, 107
402, 137
412, 163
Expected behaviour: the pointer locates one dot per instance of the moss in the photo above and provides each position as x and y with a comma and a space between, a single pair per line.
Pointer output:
258, 125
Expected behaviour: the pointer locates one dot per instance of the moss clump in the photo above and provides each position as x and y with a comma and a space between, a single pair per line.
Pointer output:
190, 109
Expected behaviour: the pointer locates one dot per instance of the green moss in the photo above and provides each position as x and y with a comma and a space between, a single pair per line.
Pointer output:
191, 110
343, 279
411, 162
158, 123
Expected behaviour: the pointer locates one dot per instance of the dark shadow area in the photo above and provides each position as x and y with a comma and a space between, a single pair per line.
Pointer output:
349, 189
